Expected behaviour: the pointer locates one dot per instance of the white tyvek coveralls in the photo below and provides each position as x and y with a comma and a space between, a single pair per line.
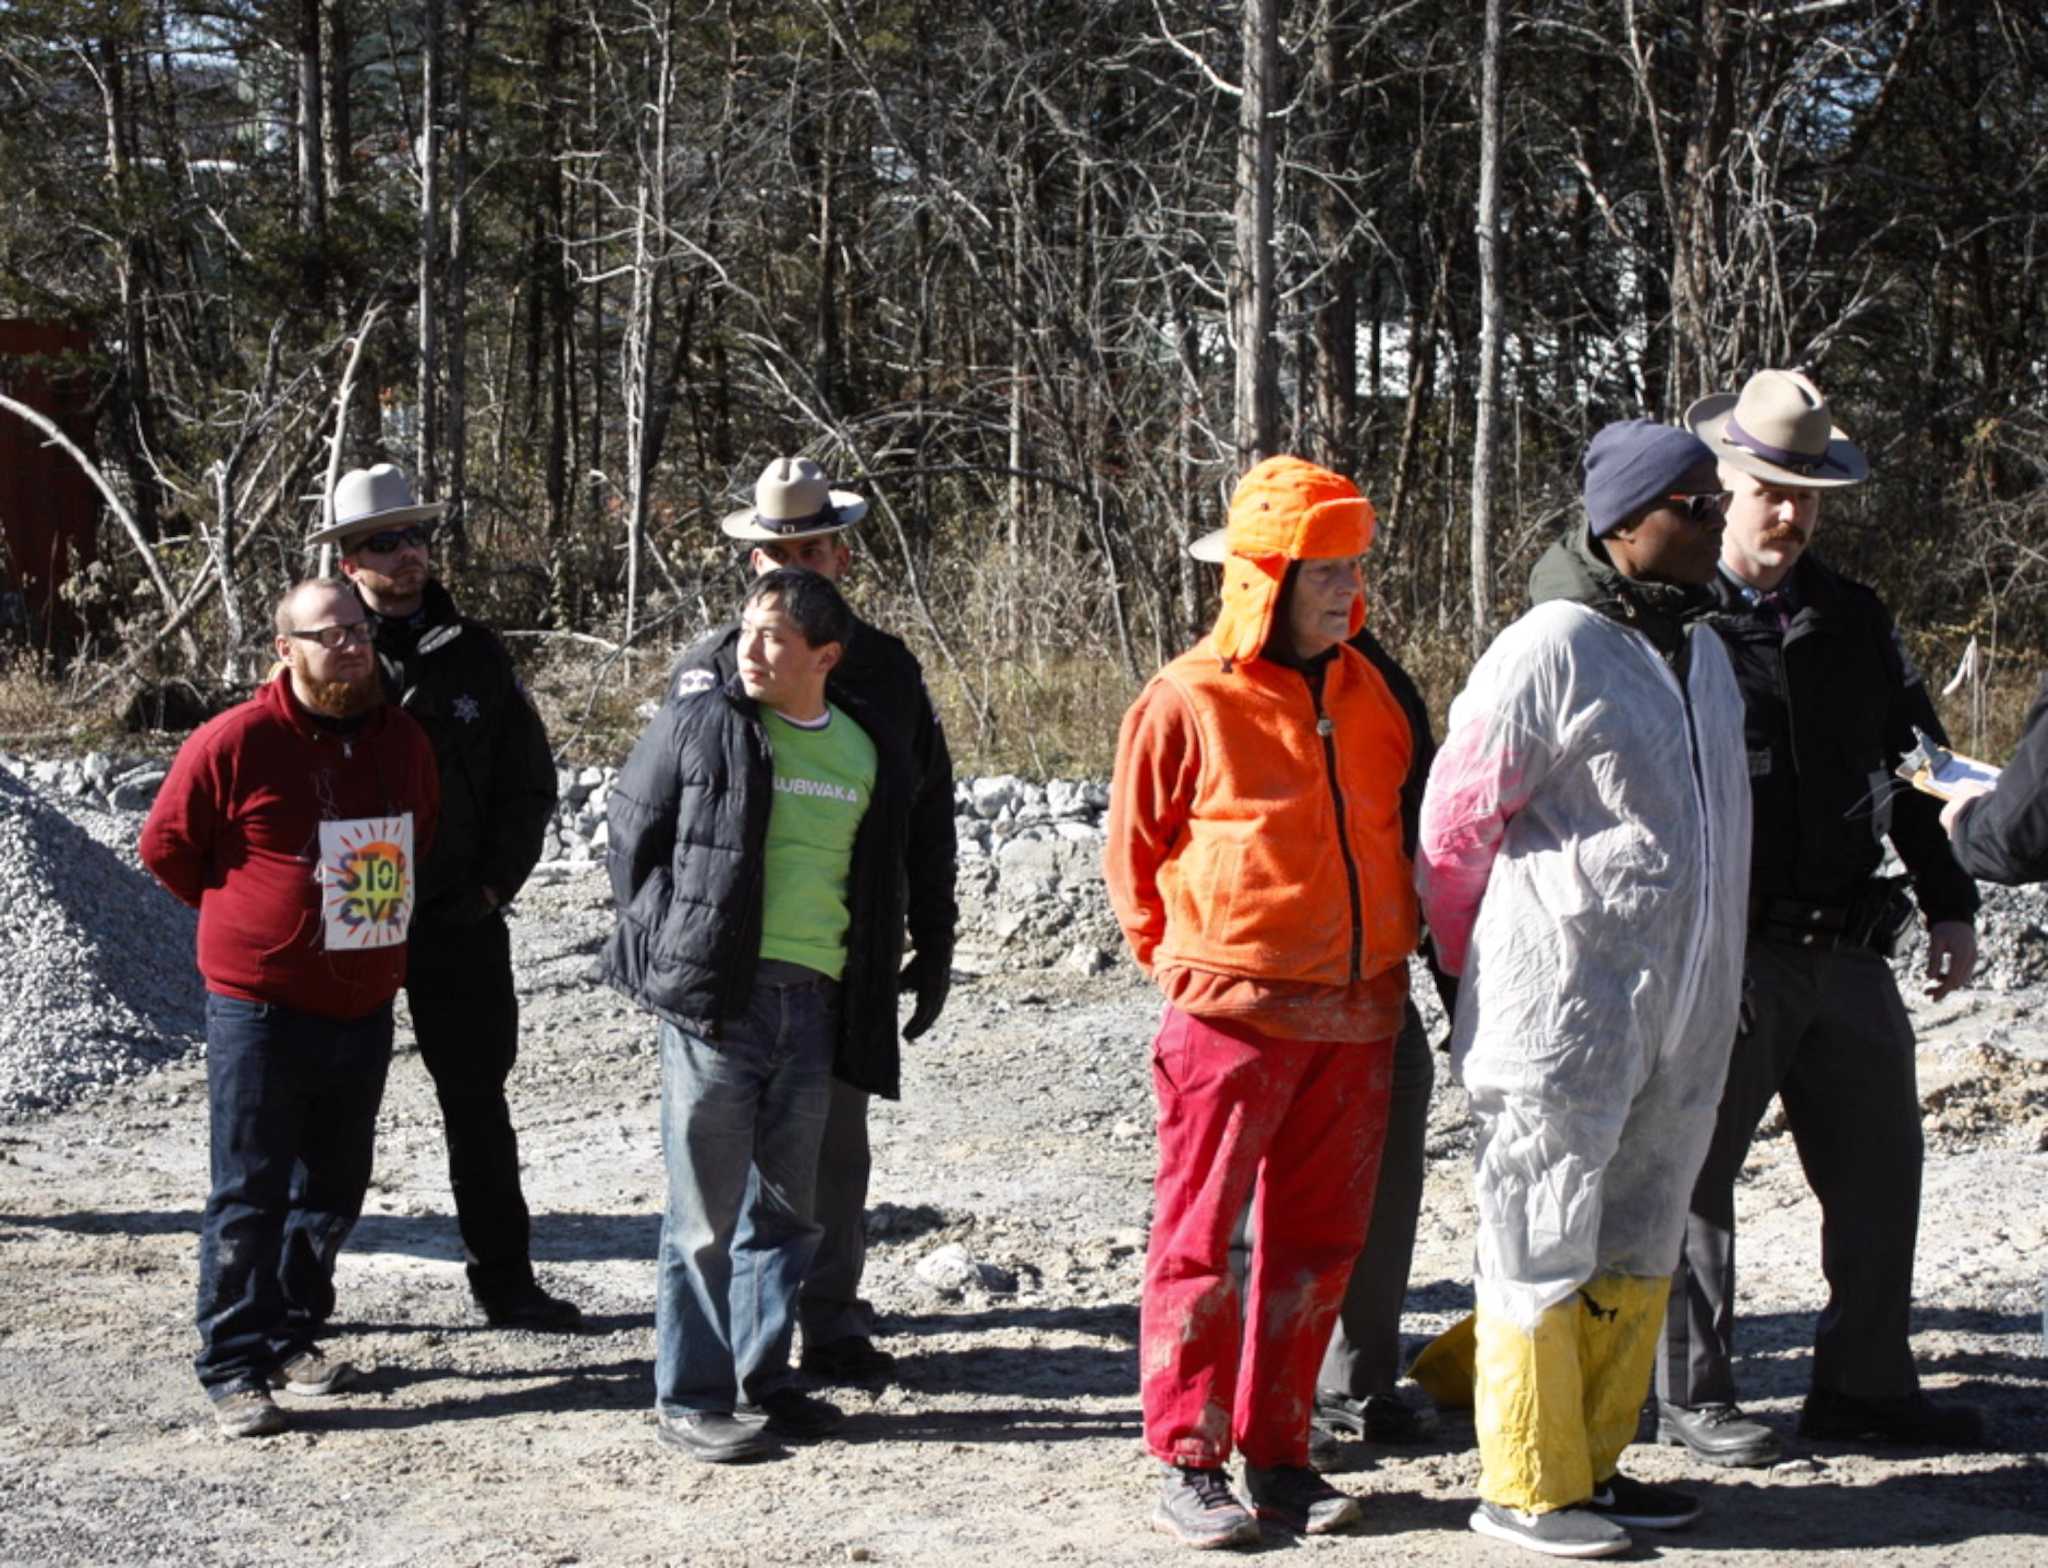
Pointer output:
1584, 864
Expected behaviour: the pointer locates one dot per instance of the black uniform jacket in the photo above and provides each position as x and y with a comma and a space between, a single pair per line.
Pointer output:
455, 678
688, 825
1831, 706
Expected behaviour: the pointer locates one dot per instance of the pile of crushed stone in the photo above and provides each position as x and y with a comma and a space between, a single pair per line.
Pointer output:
97, 982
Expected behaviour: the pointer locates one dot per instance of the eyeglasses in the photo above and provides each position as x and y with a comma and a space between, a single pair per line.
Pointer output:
1703, 506
339, 635
421, 534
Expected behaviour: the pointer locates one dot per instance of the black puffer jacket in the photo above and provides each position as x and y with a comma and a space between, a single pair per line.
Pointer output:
1831, 704
884, 678
2004, 836
688, 829
497, 775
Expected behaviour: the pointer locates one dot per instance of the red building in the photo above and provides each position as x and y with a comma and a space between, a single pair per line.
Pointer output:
49, 510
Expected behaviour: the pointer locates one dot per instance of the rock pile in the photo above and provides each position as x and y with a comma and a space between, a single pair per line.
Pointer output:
1030, 866
95, 958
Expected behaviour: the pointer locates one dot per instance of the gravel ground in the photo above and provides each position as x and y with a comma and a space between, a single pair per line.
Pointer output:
1024, 1139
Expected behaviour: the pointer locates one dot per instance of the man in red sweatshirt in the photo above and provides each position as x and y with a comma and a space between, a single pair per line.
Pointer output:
294, 824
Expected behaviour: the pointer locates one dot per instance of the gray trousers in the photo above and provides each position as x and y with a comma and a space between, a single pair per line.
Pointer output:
1832, 1039
829, 1307
1364, 1355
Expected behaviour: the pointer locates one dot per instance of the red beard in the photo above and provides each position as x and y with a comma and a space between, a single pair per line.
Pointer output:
344, 699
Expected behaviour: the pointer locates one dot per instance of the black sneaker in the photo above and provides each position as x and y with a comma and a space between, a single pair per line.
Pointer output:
793, 1415
851, 1360
1563, 1532
1637, 1505
715, 1436
1199, 1508
1717, 1434
1295, 1497
248, 1412
1911, 1420
530, 1307
1378, 1417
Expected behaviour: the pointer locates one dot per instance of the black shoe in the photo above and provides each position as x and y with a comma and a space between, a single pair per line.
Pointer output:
794, 1416
714, 1436
1563, 1532
533, 1308
1296, 1498
1378, 1418
1717, 1434
1637, 1505
1198, 1507
1911, 1420
851, 1360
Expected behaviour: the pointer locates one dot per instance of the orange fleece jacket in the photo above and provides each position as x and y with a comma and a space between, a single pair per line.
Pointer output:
1251, 883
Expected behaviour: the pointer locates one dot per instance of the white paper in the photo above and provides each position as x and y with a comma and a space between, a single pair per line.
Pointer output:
366, 878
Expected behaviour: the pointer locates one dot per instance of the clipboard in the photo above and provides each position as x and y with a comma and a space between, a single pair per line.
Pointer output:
1934, 769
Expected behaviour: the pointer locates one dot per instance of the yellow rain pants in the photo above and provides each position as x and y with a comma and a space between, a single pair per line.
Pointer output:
1553, 1409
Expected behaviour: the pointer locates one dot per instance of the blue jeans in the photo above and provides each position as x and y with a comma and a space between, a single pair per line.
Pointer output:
741, 1121
293, 1100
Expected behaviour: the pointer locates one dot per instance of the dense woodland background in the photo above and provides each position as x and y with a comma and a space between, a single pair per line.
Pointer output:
1039, 278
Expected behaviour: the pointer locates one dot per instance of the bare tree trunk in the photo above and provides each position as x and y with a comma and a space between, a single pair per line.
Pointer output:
337, 44
643, 321
1252, 302
1335, 322
312, 164
426, 436
1485, 436
455, 294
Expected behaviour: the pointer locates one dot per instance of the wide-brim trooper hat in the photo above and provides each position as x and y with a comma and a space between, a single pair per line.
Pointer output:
369, 499
792, 501
1778, 429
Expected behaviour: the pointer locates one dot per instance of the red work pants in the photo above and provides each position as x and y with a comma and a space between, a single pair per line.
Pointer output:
1304, 1121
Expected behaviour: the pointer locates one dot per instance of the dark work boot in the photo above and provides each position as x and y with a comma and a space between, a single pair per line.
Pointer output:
1910, 1421
1717, 1434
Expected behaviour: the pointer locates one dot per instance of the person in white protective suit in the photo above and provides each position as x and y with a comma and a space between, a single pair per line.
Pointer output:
1583, 864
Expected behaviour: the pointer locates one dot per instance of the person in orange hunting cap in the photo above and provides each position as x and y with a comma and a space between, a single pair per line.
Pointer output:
1255, 861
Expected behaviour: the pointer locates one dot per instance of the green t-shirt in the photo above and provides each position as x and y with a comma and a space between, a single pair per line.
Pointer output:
824, 777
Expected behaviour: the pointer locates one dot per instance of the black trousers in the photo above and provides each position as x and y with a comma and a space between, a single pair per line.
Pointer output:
1364, 1355
466, 1018
1832, 1040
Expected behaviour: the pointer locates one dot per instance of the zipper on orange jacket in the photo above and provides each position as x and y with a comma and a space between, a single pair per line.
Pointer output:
1326, 727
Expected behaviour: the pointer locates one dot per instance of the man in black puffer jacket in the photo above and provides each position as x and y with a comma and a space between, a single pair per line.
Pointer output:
498, 791
756, 842
797, 520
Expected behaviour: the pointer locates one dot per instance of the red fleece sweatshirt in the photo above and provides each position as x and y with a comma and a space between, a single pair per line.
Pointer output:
237, 831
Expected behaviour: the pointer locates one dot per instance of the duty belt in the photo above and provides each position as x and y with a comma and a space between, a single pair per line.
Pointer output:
1875, 920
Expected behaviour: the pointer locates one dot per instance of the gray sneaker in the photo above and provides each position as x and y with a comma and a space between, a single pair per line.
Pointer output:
248, 1412
311, 1375
1563, 1532
1637, 1505
1298, 1499
1199, 1507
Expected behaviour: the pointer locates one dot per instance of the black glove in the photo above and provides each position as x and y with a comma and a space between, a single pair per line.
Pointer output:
930, 975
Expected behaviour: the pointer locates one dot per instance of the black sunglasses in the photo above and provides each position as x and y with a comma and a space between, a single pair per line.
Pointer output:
338, 635
421, 534
1703, 505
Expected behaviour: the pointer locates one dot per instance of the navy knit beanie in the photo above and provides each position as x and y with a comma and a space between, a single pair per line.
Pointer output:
1631, 463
